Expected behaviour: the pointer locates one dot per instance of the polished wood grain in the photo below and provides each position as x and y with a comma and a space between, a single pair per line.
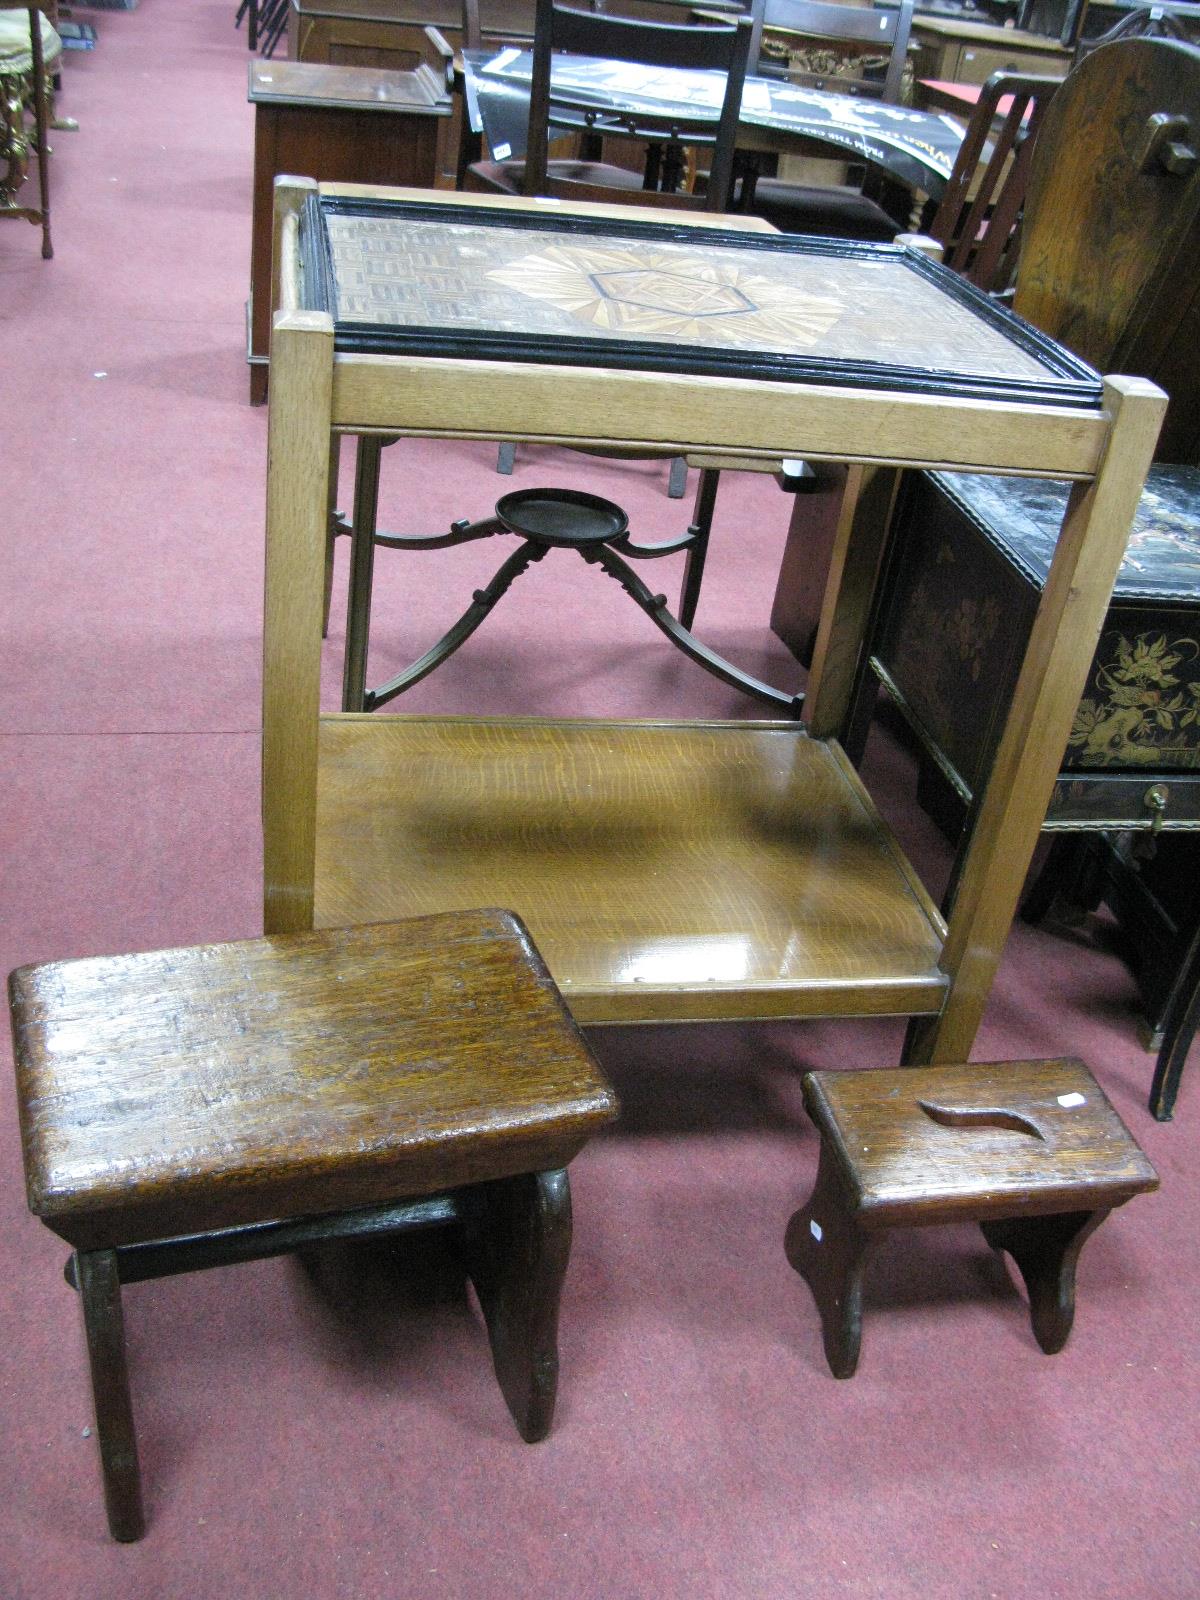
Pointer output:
688, 415
1031, 1150
185, 1090
184, 1109
667, 871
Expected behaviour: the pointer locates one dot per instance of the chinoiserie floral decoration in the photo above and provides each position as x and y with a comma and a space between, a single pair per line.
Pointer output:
1144, 712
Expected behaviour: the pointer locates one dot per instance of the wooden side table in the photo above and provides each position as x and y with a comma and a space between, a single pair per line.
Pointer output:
762, 883
343, 124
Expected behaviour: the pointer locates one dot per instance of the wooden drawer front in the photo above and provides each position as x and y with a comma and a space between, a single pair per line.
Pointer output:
976, 63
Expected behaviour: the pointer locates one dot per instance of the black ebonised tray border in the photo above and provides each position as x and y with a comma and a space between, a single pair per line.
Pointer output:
1070, 383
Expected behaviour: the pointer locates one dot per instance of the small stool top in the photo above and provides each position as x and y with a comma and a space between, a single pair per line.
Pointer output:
183, 1090
924, 1144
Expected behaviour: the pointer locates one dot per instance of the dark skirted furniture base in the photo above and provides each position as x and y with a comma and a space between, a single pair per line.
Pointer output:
188, 1108
1031, 1150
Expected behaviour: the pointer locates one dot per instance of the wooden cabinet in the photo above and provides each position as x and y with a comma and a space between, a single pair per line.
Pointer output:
969, 52
346, 124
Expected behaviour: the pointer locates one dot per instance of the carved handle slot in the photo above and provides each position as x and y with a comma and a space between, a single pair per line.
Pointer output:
980, 1117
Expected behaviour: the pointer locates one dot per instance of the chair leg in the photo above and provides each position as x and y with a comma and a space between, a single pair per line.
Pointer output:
336, 527
1178, 1035
41, 106
693, 570
506, 458
517, 1240
677, 478
99, 1283
362, 568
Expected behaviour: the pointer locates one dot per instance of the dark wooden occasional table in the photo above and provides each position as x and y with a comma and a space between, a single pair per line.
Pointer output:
669, 871
346, 124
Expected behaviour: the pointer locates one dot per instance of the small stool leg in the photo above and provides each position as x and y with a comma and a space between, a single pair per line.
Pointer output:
100, 1296
1046, 1250
829, 1250
518, 1241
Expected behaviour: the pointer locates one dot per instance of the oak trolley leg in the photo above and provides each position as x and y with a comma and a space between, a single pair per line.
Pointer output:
517, 1236
99, 1285
829, 1250
1046, 1250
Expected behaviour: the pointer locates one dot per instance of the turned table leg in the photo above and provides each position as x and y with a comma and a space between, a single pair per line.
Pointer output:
1046, 1250
517, 1235
829, 1250
99, 1284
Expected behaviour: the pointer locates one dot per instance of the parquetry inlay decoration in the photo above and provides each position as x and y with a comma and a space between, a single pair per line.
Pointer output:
669, 295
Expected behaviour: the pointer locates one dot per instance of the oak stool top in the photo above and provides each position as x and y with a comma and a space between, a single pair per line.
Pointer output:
193, 1089
927, 1144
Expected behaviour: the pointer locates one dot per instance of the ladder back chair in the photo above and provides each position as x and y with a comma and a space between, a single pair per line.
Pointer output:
978, 219
596, 35
850, 50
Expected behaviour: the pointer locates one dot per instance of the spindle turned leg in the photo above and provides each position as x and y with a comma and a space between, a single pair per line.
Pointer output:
829, 1250
1046, 1250
517, 1239
99, 1283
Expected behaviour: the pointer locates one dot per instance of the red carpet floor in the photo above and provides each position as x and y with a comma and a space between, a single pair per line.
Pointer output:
341, 1435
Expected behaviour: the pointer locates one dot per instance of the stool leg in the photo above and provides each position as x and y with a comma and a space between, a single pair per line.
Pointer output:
1046, 1250
100, 1296
517, 1236
829, 1250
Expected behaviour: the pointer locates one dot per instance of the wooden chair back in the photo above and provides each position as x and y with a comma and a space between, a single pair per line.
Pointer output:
978, 218
690, 46
863, 29
507, 29
1111, 233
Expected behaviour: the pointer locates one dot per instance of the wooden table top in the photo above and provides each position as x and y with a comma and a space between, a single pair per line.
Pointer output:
917, 148
304, 83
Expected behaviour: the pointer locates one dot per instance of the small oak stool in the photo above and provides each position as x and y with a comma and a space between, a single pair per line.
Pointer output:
1031, 1150
188, 1108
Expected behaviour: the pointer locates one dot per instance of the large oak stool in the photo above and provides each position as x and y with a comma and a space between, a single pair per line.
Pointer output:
1031, 1150
189, 1108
